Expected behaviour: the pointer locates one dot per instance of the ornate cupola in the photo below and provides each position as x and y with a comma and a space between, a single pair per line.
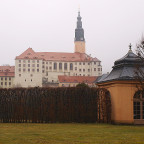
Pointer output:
125, 68
79, 36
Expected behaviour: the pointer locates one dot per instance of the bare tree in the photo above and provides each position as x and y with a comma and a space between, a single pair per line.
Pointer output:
139, 73
140, 48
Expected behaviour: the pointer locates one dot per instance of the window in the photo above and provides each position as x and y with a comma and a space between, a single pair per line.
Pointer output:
99, 69
9, 78
94, 63
46, 73
94, 69
33, 70
99, 63
60, 66
71, 66
46, 67
50, 62
42, 62
80, 63
19, 65
43, 71
88, 70
46, 62
50, 68
19, 61
75, 68
28, 70
83, 63
5, 78
31, 75
83, 70
37, 61
23, 65
28, 61
19, 69
80, 70
88, 63
19, 75
5, 83
65, 66
28, 65
37, 65
1, 83
37, 70
33, 61
136, 110
1, 78
33, 65
75, 63
9, 83
55, 66
24, 70
138, 105
24, 61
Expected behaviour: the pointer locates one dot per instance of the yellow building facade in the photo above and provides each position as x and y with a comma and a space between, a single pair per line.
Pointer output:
7, 76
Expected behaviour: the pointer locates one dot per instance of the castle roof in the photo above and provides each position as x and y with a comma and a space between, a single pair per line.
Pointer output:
7, 71
77, 79
55, 56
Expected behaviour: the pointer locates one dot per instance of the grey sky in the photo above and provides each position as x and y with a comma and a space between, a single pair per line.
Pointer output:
48, 25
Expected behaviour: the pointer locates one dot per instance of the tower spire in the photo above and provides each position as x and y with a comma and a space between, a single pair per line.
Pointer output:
79, 36
79, 31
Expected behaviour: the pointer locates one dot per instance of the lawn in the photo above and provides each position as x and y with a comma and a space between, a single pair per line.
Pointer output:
70, 134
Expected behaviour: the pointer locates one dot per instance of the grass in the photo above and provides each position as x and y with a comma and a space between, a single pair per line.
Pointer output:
70, 134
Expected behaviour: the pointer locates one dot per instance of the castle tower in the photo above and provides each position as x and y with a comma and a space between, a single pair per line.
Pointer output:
79, 36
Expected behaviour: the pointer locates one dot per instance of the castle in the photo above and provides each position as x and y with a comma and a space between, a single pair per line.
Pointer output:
43, 68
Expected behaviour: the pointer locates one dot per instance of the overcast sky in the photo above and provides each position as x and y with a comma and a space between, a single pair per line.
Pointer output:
48, 26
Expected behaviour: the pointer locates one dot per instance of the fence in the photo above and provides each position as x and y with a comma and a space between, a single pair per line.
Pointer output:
50, 105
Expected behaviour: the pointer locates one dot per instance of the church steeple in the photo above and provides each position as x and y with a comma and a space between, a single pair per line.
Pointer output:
79, 31
79, 36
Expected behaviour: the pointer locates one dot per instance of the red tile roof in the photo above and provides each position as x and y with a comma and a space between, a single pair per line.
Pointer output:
77, 79
7, 71
55, 56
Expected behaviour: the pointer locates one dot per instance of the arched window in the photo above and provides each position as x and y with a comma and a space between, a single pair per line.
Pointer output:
65, 66
138, 105
71, 66
60, 66
55, 66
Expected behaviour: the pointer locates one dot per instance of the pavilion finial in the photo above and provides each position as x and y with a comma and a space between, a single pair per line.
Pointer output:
130, 47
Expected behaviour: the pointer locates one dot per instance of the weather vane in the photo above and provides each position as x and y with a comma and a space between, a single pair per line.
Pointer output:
130, 46
79, 8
